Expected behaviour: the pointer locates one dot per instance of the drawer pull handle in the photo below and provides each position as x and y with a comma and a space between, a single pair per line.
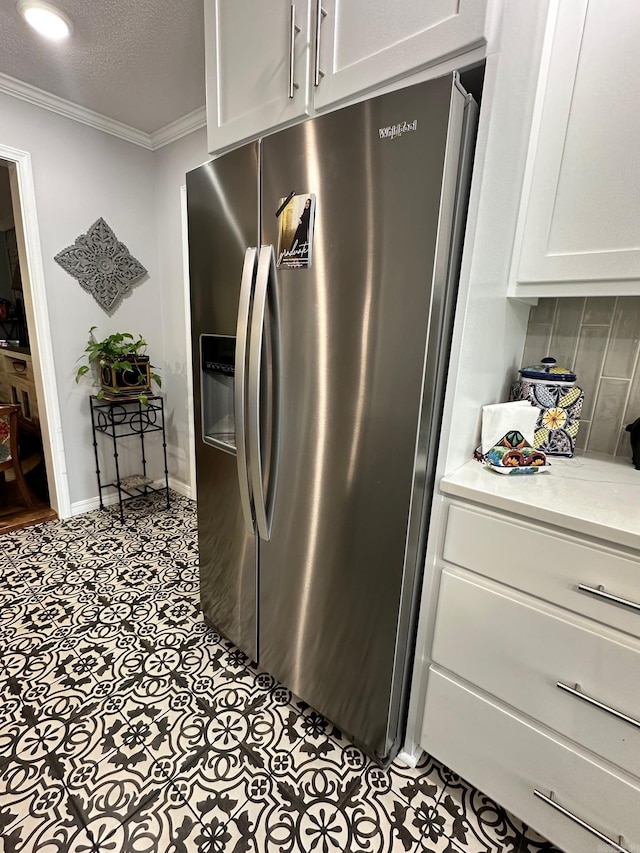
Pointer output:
575, 691
608, 596
549, 800
19, 366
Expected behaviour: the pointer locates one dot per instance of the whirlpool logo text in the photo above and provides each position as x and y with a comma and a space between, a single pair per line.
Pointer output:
396, 130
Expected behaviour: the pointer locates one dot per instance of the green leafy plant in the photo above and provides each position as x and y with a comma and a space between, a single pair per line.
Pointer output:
118, 354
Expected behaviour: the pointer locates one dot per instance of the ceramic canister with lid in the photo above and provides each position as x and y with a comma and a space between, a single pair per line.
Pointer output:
553, 390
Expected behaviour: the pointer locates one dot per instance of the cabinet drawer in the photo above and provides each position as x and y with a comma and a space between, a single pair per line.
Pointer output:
548, 565
17, 366
508, 758
518, 650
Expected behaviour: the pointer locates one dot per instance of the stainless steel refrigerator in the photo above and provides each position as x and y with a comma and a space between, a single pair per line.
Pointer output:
323, 265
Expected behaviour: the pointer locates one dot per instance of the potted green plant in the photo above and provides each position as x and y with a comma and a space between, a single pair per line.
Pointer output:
122, 366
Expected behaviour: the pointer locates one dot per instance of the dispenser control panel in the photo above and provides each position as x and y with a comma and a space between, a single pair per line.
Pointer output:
218, 354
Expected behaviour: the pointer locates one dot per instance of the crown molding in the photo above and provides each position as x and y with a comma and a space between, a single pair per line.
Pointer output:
151, 141
178, 128
33, 95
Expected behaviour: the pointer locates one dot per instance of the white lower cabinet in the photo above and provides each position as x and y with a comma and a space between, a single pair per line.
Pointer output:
534, 683
584, 578
520, 650
509, 758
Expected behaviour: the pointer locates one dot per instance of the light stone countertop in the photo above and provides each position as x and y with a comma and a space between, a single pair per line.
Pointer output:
591, 494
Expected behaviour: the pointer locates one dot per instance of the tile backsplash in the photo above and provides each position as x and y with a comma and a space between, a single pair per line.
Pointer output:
599, 337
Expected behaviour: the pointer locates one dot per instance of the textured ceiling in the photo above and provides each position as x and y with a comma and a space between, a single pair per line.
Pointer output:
140, 62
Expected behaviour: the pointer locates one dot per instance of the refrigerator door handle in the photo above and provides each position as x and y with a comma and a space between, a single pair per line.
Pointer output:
240, 395
266, 274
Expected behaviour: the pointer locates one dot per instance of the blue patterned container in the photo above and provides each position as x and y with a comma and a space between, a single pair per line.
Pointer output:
553, 390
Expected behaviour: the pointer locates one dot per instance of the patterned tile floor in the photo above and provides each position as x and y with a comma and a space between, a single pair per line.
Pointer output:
126, 724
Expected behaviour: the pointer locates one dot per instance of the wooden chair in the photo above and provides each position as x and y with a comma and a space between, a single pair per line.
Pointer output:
9, 453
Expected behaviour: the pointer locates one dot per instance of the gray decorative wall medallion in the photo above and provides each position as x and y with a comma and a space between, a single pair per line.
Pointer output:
102, 264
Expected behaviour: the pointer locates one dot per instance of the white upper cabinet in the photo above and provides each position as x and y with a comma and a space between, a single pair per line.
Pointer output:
367, 43
579, 221
257, 66
341, 48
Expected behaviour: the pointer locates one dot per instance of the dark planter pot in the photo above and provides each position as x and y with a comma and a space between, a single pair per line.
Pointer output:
122, 383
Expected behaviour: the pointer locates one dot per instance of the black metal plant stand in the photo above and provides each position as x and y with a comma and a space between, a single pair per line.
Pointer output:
121, 418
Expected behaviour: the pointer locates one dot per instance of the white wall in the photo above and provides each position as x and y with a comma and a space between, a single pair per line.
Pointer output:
170, 166
81, 174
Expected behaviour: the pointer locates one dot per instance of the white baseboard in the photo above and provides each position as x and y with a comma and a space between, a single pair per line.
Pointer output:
80, 507
181, 488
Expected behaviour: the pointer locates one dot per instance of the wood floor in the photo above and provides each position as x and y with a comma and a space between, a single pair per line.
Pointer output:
22, 517
14, 515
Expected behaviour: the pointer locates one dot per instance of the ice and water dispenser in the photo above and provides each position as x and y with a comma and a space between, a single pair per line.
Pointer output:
217, 369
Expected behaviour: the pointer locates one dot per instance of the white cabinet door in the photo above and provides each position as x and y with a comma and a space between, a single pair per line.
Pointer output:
579, 228
519, 649
366, 43
248, 62
508, 757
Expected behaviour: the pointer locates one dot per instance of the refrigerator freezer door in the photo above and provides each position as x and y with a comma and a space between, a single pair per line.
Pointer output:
222, 199
240, 385
336, 577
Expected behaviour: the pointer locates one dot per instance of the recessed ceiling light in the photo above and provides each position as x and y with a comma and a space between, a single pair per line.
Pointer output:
46, 19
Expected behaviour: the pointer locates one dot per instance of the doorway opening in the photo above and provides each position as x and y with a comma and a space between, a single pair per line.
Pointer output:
33, 483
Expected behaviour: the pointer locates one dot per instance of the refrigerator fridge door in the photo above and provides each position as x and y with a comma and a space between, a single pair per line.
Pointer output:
263, 407
223, 212
338, 573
